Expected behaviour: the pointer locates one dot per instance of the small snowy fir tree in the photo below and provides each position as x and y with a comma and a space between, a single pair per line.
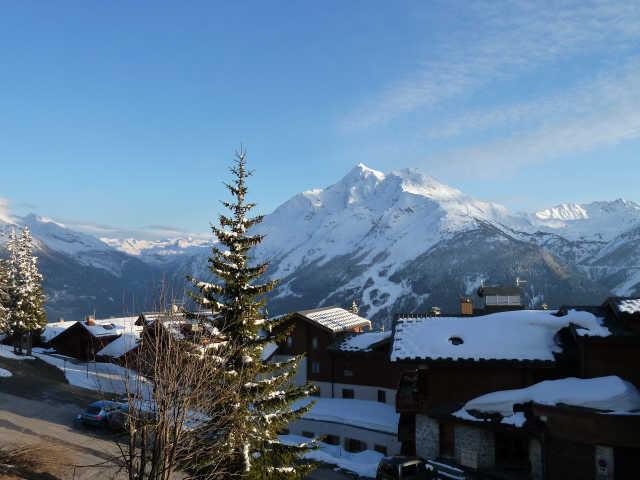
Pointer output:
4, 298
24, 290
267, 401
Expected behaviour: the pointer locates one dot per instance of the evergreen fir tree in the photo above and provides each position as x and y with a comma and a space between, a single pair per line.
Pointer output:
24, 291
266, 401
4, 298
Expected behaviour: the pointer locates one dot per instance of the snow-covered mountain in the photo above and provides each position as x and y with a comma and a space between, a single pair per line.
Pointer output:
394, 242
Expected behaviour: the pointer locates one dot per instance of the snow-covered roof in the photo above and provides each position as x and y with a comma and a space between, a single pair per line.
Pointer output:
110, 326
123, 344
524, 335
362, 342
628, 305
268, 350
54, 329
607, 394
357, 413
336, 319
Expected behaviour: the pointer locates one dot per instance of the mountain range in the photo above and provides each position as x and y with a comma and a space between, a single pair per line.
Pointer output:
396, 242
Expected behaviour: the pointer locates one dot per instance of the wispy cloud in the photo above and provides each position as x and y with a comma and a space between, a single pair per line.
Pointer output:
5, 212
580, 134
150, 232
615, 89
518, 36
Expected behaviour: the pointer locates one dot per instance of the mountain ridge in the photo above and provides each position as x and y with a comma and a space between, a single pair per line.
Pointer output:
393, 242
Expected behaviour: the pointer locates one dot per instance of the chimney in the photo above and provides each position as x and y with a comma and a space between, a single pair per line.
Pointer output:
466, 306
434, 312
90, 320
174, 308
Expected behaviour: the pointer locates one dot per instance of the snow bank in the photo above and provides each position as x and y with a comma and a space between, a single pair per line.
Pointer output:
357, 413
6, 351
363, 463
515, 335
610, 394
5, 373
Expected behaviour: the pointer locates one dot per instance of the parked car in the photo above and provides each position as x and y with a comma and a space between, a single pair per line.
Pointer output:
404, 468
98, 414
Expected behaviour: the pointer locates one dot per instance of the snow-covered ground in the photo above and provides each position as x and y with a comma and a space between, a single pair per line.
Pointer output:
6, 351
356, 413
363, 463
5, 373
99, 376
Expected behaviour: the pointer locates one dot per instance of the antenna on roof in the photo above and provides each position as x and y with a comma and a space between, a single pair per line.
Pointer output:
354, 307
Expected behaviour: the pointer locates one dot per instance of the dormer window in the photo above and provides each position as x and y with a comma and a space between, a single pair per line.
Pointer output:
456, 340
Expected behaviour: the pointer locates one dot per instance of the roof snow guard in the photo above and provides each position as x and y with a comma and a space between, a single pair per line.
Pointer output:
335, 319
521, 335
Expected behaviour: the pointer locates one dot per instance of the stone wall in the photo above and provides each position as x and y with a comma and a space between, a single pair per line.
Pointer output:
427, 437
536, 459
474, 447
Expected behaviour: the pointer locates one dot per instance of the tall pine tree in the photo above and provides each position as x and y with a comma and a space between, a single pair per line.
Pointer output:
4, 298
24, 291
267, 402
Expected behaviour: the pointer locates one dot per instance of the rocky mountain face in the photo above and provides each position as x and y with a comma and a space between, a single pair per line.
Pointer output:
393, 242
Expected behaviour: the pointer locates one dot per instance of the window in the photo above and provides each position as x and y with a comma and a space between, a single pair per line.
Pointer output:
307, 434
348, 372
456, 340
380, 449
332, 440
314, 343
382, 396
315, 367
347, 393
290, 341
354, 446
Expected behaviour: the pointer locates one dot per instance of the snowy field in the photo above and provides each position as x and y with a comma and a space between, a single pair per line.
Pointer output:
98, 376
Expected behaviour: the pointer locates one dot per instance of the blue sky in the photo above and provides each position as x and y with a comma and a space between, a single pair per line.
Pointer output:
126, 114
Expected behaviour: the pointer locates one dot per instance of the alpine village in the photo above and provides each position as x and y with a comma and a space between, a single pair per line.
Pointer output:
215, 387
320, 240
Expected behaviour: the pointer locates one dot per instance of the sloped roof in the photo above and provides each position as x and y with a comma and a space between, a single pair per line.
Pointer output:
520, 335
335, 319
606, 394
362, 342
123, 344
52, 330
110, 326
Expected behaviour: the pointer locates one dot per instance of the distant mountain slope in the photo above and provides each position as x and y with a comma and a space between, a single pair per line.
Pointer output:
393, 242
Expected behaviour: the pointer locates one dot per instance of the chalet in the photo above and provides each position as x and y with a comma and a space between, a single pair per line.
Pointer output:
448, 361
350, 365
83, 340
314, 332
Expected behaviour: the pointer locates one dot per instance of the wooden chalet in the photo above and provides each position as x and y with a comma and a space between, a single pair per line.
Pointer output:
448, 361
83, 340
